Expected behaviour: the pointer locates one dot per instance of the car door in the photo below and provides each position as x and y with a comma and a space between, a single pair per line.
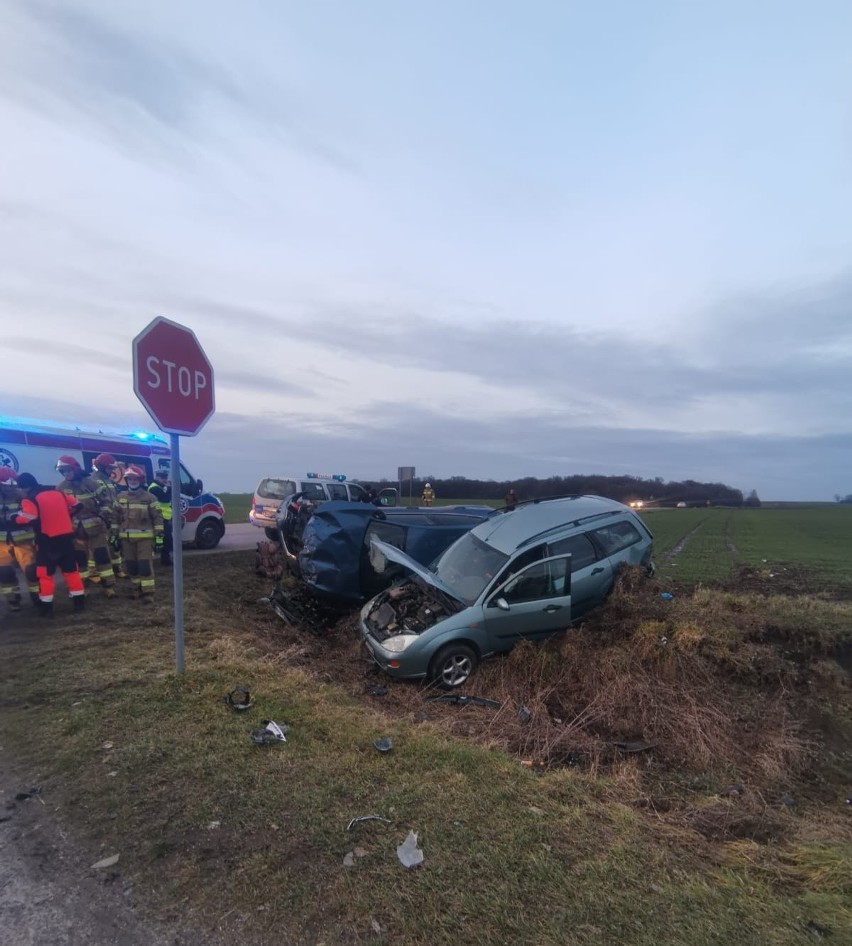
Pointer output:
531, 604
591, 573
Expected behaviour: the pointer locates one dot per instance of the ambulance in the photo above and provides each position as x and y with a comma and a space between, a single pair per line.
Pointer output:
33, 447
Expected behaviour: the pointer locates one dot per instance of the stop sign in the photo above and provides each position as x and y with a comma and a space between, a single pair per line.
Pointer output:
172, 377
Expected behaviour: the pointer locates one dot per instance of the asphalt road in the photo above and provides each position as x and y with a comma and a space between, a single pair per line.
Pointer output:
240, 535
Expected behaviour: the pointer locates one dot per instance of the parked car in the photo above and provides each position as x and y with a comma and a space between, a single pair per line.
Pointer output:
523, 574
328, 546
316, 487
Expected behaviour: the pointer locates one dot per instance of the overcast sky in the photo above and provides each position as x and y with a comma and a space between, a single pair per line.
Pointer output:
483, 238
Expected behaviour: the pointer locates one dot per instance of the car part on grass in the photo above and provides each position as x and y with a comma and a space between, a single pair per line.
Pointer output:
461, 699
239, 698
524, 715
355, 821
385, 744
271, 734
635, 746
376, 690
409, 854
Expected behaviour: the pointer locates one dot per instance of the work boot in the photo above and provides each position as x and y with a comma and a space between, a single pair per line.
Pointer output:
109, 591
46, 608
35, 599
79, 602
94, 579
120, 572
15, 603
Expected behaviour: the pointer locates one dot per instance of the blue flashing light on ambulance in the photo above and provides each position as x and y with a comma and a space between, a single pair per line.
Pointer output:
34, 447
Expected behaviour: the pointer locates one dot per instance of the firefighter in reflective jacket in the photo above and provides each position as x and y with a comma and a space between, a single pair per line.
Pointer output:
17, 543
104, 468
428, 496
92, 521
49, 512
140, 524
161, 490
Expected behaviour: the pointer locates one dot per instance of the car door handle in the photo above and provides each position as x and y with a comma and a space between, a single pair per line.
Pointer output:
596, 571
552, 608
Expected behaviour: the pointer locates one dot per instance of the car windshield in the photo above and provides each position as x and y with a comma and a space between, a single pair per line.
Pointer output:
468, 566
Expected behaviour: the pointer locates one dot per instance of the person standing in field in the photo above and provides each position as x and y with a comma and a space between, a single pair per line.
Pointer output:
161, 490
104, 472
92, 521
511, 499
140, 523
17, 544
428, 496
48, 512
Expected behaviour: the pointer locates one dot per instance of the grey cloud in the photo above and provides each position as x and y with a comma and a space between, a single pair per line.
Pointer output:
115, 77
77, 356
252, 381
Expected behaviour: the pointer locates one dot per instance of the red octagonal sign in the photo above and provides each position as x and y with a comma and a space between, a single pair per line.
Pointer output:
173, 378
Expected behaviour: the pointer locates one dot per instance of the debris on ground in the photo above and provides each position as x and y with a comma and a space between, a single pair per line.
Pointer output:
355, 821
30, 793
409, 854
385, 744
272, 733
461, 699
239, 698
106, 862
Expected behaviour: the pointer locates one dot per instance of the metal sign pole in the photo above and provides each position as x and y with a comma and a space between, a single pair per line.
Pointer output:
177, 550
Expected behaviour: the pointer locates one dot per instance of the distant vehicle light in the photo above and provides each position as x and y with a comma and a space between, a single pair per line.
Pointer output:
636, 504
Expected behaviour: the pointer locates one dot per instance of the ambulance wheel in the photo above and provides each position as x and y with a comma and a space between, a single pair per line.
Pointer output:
208, 534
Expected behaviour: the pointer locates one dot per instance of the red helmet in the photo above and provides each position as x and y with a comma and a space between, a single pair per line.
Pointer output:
7, 474
135, 471
103, 461
66, 461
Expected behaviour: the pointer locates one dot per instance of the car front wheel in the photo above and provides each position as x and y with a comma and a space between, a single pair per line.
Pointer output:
453, 665
208, 534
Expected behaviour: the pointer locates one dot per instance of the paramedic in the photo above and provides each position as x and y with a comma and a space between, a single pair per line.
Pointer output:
48, 511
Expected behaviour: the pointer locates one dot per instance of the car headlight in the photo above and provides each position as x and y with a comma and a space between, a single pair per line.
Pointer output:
398, 643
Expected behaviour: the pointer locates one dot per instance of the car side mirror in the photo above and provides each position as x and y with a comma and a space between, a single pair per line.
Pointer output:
501, 603
199, 487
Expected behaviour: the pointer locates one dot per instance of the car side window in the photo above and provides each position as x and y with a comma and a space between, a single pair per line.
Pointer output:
579, 547
616, 536
542, 580
355, 493
337, 491
313, 491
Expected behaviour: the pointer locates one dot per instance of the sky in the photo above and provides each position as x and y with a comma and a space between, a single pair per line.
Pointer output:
487, 239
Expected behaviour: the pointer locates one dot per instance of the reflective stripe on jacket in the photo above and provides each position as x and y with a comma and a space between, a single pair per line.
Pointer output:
164, 498
10, 509
138, 515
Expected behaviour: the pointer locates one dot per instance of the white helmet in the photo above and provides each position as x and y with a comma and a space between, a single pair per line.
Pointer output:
428, 486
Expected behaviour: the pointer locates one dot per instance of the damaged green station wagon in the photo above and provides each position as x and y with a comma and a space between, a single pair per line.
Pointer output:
525, 574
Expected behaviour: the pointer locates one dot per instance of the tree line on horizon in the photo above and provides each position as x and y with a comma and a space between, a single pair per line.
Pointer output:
624, 489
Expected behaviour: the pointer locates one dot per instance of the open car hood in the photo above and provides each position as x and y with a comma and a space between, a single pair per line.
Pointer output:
393, 554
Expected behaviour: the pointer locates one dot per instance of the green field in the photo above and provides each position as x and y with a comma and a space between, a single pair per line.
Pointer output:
705, 545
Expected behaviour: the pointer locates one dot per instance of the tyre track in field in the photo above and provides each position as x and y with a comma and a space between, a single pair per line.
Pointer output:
682, 542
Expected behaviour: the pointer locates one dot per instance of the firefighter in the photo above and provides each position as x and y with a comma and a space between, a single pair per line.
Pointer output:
104, 468
17, 544
161, 490
48, 511
140, 524
428, 496
92, 521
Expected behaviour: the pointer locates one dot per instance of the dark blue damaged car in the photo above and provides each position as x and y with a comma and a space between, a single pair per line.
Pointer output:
328, 546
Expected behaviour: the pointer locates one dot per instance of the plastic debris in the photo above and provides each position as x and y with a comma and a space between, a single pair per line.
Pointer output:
238, 699
213, 825
355, 821
787, 800
460, 699
385, 744
106, 746
524, 715
271, 734
409, 853
635, 746
349, 859
818, 929
106, 862
377, 689
666, 595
